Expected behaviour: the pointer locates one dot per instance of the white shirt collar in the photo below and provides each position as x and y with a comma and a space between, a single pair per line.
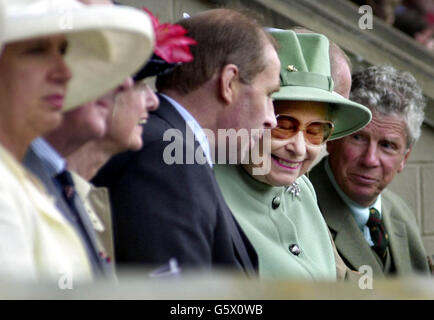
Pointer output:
194, 126
51, 159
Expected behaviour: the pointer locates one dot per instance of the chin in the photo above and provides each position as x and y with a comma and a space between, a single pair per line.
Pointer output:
135, 144
50, 123
135, 147
280, 180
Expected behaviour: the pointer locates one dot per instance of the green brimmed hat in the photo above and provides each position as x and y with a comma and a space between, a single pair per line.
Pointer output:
305, 76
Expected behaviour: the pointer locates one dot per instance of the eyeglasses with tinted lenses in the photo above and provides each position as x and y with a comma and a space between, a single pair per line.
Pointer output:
315, 132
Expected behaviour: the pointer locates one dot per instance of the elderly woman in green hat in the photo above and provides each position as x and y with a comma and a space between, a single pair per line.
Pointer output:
277, 208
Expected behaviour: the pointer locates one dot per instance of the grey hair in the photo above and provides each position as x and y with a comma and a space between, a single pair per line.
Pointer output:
385, 90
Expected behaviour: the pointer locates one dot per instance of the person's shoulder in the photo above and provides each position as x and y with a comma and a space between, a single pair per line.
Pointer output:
154, 129
398, 207
393, 199
306, 184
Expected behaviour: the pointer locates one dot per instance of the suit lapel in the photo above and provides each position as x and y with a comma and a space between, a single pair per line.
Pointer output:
99, 199
171, 115
348, 238
398, 240
88, 227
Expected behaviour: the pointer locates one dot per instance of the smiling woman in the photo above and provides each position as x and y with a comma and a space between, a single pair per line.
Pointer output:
129, 112
44, 69
278, 209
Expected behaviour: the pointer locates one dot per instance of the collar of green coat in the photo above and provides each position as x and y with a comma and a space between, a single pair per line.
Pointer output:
257, 189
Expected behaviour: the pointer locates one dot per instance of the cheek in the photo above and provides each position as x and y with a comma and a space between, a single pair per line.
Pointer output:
131, 140
253, 111
348, 153
124, 127
117, 127
15, 84
260, 108
392, 166
135, 101
313, 152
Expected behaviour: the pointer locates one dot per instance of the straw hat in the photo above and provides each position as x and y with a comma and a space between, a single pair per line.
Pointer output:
305, 76
106, 44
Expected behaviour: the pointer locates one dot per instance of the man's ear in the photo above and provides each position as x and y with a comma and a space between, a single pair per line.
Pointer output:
229, 83
404, 160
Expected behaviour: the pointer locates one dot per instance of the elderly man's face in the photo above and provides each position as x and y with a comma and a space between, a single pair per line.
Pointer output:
365, 162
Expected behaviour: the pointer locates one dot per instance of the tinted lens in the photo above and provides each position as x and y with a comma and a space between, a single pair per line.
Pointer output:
286, 127
315, 133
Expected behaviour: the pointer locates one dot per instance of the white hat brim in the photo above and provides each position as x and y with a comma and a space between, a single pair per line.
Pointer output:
106, 44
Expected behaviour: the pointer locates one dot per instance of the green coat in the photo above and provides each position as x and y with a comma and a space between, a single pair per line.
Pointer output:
406, 248
273, 230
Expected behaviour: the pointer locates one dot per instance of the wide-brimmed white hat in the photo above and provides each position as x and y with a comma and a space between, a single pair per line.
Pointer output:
106, 44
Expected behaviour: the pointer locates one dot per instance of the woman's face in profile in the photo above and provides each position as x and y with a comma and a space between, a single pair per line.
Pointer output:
131, 109
33, 80
292, 154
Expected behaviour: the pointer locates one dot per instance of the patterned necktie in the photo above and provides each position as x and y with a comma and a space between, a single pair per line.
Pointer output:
70, 194
379, 235
68, 189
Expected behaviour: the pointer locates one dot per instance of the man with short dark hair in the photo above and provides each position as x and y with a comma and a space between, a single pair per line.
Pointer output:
165, 210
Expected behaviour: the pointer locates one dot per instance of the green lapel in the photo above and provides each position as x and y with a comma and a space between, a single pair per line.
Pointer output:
398, 239
348, 238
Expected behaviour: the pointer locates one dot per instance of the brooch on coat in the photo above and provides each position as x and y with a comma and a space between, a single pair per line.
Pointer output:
294, 190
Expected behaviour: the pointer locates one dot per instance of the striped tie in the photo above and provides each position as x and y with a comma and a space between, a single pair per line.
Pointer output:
68, 188
379, 236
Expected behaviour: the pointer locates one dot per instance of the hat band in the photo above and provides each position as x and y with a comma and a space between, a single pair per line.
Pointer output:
306, 79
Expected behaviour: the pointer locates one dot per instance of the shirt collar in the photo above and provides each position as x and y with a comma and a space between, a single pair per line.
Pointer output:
194, 126
52, 160
361, 214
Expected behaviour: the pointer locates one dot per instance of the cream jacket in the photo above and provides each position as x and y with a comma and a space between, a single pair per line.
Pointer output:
36, 242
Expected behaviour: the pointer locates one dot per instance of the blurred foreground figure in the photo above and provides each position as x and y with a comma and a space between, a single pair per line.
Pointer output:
45, 71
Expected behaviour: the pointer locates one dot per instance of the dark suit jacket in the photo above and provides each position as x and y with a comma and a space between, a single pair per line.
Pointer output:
163, 211
405, 243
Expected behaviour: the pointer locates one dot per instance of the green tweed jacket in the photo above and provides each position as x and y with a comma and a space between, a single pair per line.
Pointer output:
405, 247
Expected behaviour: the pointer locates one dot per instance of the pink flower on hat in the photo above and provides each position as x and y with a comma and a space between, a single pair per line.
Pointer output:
171, 43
